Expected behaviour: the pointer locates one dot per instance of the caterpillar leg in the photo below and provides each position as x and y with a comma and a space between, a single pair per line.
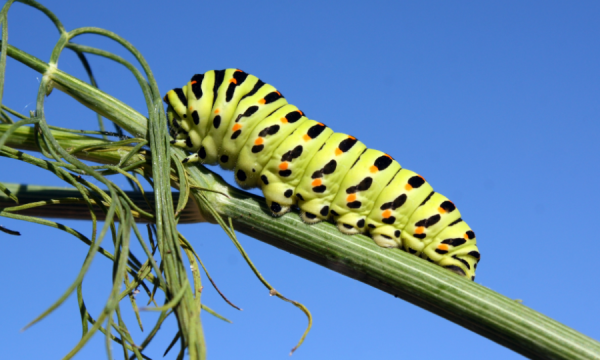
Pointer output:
312, 211
386, 236
279, 197
191, 159
180, 143
185, 144
351, 223
277, 209
309, 217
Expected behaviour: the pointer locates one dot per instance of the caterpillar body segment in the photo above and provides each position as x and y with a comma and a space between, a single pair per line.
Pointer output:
394, 207
234, 119
287, 164
324, 174
358, 191
200, 98
263, 141
177, 100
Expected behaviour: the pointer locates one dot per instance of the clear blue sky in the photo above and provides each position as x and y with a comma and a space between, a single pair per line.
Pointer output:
496, 103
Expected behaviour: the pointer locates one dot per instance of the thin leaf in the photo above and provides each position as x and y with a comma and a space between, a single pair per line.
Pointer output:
9, 232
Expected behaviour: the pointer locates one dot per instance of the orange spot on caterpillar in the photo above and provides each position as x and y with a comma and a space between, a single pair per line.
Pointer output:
191, 108
316, 182
301, 113
284, 165
306, 137
217, 111
233, 80
351, 137
278, 93
386, 214
259, 141
391, 158
420, 230
193, 82
351, 198
466, 236
236, 127
443, 247
441, 210
284, 120
373, 169
262, 101
238, 70
338, 152
421, 177
408, 187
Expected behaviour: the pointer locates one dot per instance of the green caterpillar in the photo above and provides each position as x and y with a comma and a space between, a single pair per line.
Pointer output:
234, 119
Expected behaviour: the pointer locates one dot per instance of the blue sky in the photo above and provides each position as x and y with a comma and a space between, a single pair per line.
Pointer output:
495, 103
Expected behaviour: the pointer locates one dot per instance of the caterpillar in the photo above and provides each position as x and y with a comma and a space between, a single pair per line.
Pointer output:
231, 118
